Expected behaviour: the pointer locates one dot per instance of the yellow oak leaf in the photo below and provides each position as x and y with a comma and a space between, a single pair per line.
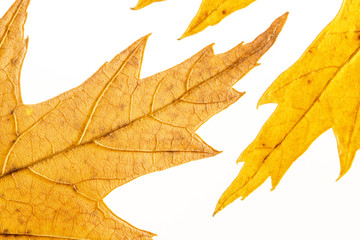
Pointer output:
61, 157
210, 13
320, 91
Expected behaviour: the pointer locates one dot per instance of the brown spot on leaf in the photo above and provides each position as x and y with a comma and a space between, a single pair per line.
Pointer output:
122, 106
171, 86
15, 61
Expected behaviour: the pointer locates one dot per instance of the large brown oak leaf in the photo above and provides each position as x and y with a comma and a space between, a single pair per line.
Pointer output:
61, 157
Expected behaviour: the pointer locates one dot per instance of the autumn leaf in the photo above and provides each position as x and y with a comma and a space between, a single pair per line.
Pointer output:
320, 91
61, 157
143, 3
210, 13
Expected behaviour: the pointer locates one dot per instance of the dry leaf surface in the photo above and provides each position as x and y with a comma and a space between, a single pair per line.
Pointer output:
210, 13
61, 157
320, 91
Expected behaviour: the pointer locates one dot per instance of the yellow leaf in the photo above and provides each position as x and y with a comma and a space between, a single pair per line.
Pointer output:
210, 13
61, 157
320, 91
144, 3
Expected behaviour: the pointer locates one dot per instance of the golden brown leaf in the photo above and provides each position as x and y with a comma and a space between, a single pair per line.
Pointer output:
210, 13
320, 91
61, 157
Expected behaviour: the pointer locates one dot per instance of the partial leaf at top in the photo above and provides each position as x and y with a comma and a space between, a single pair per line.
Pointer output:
210, 13
61, 157
143, 3
320, 91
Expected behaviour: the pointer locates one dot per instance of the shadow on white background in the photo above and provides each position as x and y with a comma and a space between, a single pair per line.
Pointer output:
70, 40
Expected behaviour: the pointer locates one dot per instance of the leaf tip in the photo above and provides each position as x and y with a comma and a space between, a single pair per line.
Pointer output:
135, 8
139, 6
279, 23
216, 152
241, 158
142, 41
286, 14
219, 207
342, 174
213, 152
266, 98
217, 210
282, 19
260, 102
182, 37
146, 36
186, 34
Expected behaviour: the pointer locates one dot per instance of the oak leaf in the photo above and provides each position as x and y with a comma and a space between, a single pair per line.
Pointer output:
320, 91
210, 13
61, 157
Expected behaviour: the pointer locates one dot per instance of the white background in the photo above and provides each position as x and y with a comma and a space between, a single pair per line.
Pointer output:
71, 39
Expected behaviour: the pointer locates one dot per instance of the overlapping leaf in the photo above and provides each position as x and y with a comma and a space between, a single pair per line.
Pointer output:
320, 91
211, 12
61, 157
